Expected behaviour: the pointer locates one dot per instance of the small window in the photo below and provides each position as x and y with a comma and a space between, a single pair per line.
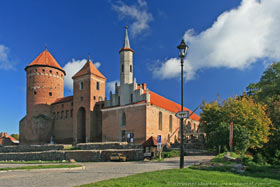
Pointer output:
94, 97
61, 75
36, 70
62, 106
160, 121
34, 92
71, 113
97, 86
119, 100
54, 115
81, 85
122, 68
30, 71
62, 114
43, 70
66, 114
100, 98
50, 93
82, 98
57, 116
131, 68
50, 71
56, 73
123, 120
71, 103
131, 98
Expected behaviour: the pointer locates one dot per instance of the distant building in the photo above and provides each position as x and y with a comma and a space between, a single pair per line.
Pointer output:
132, 113
6, 139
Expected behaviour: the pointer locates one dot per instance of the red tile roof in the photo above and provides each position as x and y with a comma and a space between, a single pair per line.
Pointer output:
89, 68
126, 49
169, 105
4, 135
45, 59
150, 142
63, 99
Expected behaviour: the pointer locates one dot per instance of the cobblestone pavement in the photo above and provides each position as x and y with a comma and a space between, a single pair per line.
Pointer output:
93, 172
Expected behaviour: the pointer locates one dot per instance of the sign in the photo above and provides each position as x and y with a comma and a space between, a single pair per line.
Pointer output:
231, 136
182, 114
159, 142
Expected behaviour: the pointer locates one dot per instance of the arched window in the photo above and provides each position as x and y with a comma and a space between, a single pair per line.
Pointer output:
123, 120
170, 123
100, 98
160, 120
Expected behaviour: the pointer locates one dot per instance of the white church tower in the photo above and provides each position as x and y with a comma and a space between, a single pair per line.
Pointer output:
128, 92
126, 61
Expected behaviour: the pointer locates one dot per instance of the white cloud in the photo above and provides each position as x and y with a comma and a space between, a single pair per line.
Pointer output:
138, 13
71, 68
237, 39
4, 60
111, 86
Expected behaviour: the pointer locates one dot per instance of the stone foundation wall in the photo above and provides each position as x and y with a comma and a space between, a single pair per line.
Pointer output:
78, 155
31, 148
108, 145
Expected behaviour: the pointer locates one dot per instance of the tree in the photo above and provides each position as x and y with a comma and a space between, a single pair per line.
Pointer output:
267, 92
251, 124
15, 136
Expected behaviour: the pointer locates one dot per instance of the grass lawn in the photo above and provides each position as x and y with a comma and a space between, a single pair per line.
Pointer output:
41, 167
188, 177
31, 162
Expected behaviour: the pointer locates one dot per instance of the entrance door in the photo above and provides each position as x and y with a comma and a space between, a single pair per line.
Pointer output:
81, 125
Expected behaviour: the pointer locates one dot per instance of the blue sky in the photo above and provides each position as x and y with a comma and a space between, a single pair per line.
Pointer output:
231, 43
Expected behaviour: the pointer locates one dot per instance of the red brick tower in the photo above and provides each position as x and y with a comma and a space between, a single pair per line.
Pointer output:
89, 88
45, 82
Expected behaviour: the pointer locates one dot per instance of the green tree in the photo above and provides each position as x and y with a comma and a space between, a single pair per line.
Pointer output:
16, 136
251, 124
267, 92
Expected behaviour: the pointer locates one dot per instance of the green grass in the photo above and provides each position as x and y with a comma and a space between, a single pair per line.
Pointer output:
40, 167
31, 162
188, 177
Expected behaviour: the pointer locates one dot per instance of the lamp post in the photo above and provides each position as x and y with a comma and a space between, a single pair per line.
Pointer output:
183, 48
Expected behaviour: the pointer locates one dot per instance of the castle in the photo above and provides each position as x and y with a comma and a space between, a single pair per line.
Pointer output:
133, 113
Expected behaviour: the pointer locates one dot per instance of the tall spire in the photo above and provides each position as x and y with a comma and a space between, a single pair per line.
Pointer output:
126, 40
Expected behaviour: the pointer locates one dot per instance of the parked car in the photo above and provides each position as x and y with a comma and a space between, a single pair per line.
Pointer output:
117, 157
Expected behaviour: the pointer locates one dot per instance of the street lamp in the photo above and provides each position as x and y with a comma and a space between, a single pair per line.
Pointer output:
183, 48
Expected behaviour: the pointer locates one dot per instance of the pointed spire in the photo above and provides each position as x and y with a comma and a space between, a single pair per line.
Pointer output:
126, 40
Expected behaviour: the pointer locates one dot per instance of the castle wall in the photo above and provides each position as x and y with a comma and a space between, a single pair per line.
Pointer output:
112, 127
63, 122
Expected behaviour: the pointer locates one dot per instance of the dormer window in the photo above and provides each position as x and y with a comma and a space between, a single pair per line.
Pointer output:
81, 85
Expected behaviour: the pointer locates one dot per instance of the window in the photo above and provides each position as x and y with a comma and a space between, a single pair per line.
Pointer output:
170, 124
131, 98
66, 114
50, 71
123, 136
97, 86
34, 92
82, 98
94, 97
56, 73
119, 100
43, 70
100, 98
57, 116
62, 114
123, 120
54, 115
81, 85
36, 70
122, 68
62, 106
131, 68
160, 121
50, 93
71, 113
71, 103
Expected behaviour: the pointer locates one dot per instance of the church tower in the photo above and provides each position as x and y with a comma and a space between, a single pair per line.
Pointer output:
126, 61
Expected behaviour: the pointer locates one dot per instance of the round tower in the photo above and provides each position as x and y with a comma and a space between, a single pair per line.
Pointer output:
45, 83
